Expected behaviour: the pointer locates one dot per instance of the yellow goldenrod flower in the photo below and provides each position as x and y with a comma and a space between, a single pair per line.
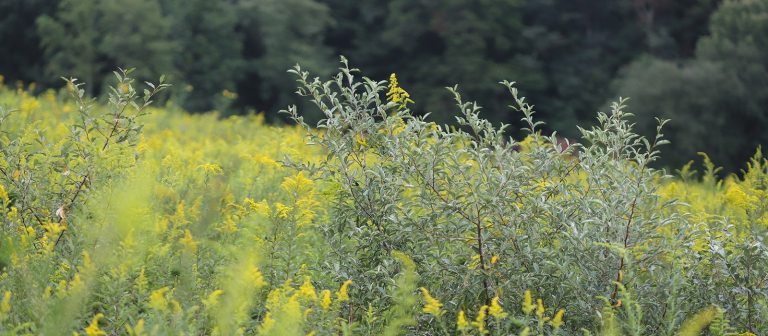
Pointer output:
325, 300
141, 281
494, 259
343, 294
5, 305
461, 321
176, 306
188, 242
496, 310
157, 299
396, 94
76, 284
13, 213
261, 208
136, 330
3, 194
431, 305
307, 290
557, 321
266, 324
257, 277
297, 183
211, 168
213, 298
528, 305
47, 292
479, 322
736, 196
282, 210
291, 310
540, 308
93, 328
29, 104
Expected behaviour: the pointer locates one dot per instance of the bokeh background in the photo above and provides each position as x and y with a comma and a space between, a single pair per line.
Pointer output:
701, 63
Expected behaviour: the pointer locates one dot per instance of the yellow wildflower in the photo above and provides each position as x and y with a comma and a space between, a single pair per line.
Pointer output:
29, 104
557, 321
396, 94
298, 183
307, 290
257, 277
188, 242
266, 324
461, 321
211, 168
496, 310
325, 301
176, 306
540, 308
282, 210
13, 213
137, 330
343, 294
3, 194
157, 299
261, 208
494, 260
53, 228
431, 306
5, 305
228, 225
76, 284
479, 322
93, 328
213, 298
141, 281
528, 305
735, 195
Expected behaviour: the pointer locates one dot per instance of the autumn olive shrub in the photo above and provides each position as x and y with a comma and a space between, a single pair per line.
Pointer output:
486, 217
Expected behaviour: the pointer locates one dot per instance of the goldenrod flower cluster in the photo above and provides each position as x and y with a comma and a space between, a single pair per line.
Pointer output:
396, 94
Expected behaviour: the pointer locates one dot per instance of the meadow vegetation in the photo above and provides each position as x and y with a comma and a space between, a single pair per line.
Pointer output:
118, 217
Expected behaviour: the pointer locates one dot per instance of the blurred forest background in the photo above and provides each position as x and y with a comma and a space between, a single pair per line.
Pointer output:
701, 63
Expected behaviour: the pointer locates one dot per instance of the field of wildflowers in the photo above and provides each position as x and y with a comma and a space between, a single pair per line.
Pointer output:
118, 217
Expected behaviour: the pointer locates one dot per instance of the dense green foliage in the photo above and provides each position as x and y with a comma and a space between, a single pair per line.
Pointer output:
125, 219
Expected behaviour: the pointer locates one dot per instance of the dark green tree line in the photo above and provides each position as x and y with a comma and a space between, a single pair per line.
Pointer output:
716, 99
